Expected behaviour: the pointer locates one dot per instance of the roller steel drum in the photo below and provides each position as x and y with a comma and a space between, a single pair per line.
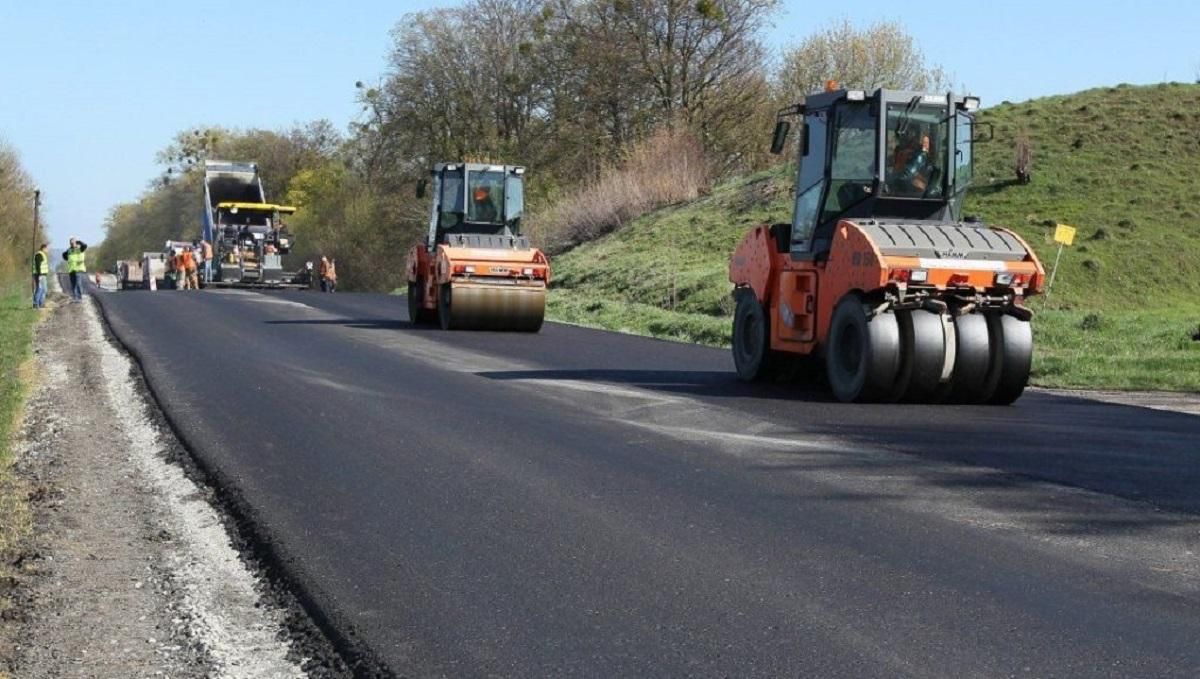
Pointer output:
482, 306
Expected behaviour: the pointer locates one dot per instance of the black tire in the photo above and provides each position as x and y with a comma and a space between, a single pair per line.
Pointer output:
1014, 353
444, 306
922, 356
751, 340
970, 381
862, 358
416, 293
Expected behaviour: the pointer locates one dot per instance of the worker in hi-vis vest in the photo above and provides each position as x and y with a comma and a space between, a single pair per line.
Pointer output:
41, 273
76, 267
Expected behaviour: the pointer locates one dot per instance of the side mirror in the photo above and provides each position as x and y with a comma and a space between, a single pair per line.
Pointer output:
779, 138
421, 188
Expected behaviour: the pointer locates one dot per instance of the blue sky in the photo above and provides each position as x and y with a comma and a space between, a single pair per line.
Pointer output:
90, 91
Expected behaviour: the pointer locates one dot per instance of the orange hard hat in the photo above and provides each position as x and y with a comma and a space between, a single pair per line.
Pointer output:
481, 193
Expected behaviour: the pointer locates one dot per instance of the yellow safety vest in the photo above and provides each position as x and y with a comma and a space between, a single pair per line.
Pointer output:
41, 264
76, 261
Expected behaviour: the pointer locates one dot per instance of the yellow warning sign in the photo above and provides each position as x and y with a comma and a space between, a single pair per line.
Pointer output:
1064, 234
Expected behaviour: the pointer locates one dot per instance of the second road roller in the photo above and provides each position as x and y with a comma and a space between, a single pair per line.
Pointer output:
879, 277
475, 270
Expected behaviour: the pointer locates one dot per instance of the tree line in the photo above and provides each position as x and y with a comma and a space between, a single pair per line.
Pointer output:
16, 217
572, 89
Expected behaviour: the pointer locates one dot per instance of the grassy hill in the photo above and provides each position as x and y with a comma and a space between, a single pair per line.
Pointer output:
1122, 164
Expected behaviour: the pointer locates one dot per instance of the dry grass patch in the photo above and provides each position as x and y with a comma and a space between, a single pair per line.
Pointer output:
668, 168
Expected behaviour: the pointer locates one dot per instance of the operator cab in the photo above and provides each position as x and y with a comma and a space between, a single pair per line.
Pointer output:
475, 199
247, 225
889, 156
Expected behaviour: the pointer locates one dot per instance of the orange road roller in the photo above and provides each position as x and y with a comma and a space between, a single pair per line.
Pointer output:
878, 276
475, 270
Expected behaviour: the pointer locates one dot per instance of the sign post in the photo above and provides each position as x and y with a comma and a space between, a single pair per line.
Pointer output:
1063, 235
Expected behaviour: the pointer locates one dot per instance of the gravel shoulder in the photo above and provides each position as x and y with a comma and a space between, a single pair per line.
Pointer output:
132, 570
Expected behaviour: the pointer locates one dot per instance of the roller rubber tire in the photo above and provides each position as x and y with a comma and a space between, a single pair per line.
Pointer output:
922, 355
1014, 351
751, 340
973, 356
862, 357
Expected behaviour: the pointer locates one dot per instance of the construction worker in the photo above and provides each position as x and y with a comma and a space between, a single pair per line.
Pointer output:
912, 167
328, 274
206, 251
41, 274
186, 265
76, 267
485, 209
181, 281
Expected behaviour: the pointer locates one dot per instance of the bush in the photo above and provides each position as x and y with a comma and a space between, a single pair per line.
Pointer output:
1091, 322
667, 168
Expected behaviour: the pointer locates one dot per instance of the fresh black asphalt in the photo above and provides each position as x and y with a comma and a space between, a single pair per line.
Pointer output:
584, 503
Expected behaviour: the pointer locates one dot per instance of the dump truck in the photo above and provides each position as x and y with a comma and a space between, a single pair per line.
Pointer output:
246, 232
879, 278
129, 275
474, 269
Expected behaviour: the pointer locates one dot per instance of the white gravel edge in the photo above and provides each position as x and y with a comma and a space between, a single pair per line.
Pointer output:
242, 633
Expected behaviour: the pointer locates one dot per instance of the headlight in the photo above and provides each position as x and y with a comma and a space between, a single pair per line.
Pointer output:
1004, 278
469, 268
527, 271
919, 276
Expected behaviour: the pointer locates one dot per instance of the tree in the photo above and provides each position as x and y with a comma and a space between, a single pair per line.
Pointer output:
704, 61
16, 215
880, 55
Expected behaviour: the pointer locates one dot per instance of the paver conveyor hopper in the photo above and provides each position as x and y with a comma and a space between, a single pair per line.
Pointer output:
247, 233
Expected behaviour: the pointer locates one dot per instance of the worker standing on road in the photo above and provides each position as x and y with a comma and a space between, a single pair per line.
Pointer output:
181, 279
76, 267
206, 252
41, 273
328, 274
197, 261
186, 266
177, 267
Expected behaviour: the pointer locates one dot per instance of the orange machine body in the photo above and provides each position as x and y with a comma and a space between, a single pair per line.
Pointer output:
800, 295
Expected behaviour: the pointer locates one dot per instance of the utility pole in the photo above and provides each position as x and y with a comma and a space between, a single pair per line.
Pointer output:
37, 203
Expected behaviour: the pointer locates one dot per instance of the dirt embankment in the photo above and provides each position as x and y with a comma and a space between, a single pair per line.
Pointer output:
131, 570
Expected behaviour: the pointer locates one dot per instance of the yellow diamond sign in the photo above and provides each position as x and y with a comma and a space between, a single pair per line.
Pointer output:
1064, 234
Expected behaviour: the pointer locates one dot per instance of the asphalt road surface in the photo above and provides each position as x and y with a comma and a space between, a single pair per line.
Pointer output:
583, 503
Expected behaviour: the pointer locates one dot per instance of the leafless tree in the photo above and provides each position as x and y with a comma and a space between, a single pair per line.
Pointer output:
1023, 159
880, 55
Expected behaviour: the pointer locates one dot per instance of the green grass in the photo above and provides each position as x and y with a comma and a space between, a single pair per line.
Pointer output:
1156, 350
1120, 163
17, 321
